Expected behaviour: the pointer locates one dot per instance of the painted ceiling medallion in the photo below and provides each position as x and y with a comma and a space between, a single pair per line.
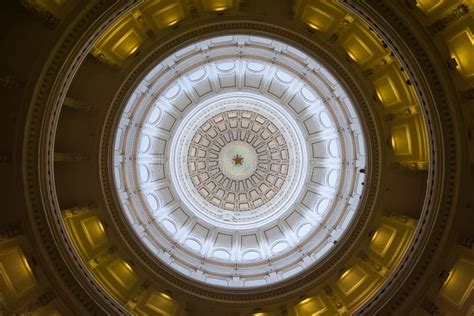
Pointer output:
237, 161
268, 183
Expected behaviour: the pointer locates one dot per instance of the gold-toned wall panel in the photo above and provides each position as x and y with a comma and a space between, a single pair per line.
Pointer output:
461, 46
156, 303
351, 279
408, 139
458, 287
391, 88
434, 7
383, 239
361, 44
387, 91
124, 39
321, 15
130, 33
390, 240
161, 14
118, 278
356, 284
16, 277
127, 44
87, 232
318, 305
218, 5
401, 140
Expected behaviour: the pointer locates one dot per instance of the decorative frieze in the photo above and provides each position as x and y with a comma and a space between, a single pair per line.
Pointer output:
34, 307
48, 18
341, 28
412, 165
402, 113
9, 82
467, 95
457, 13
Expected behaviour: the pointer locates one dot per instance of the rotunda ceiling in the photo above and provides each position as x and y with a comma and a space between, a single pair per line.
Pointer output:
170, 169
237, 161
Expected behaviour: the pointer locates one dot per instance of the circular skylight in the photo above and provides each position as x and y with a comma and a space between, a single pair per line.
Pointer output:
237, 161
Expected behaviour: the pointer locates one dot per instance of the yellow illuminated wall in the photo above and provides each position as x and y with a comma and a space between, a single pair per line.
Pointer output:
435, 7
117, 276
218, 5
392, 90
390, 239
129, 34
363, 276
457, 33
391, 85
458, 288
461, 45
361, 45
161, 14
121, 42
322, 16
319, 305
86, 231
17, 281
155, 302
356, 284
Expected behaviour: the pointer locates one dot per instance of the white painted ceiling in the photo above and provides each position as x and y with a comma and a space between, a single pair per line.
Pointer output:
176, 207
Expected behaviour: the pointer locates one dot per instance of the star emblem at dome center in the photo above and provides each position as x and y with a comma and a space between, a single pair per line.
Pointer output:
238, 160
